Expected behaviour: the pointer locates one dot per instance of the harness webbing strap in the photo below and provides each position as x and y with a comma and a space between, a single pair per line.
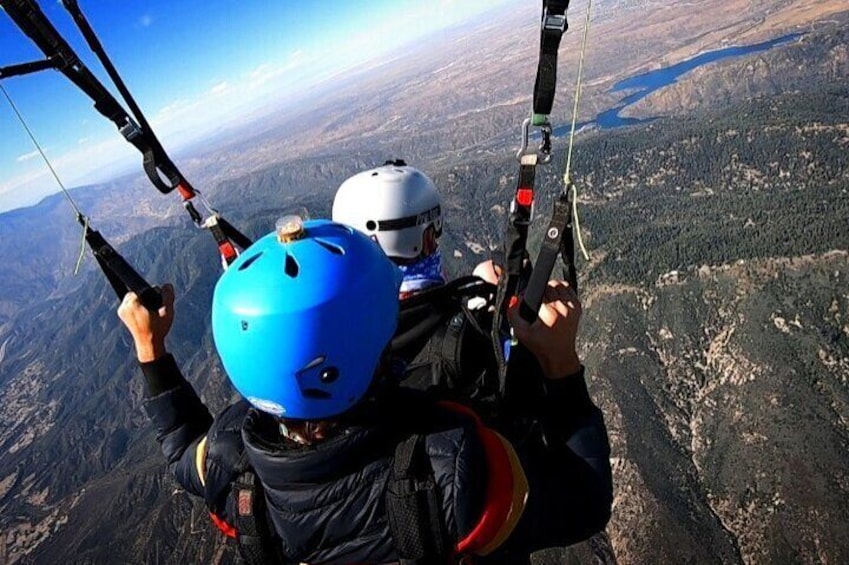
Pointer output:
413, 507
515, 257
256, 542
121, 276
422, 314
557, 241
552, 28
225, 247
27, 68
233, 234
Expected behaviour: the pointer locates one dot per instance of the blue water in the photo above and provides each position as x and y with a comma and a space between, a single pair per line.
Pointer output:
644, 84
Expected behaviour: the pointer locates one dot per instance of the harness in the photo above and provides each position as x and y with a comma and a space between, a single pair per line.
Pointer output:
412, 498
413, 508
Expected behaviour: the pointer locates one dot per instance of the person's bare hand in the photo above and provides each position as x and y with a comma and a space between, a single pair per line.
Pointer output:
551, 338
488, 271
147, 328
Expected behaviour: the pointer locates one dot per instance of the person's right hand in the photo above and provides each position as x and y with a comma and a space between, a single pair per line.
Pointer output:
551, 337
147, 328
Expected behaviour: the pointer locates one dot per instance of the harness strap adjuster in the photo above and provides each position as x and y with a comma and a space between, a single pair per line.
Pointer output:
130, 130
554, 22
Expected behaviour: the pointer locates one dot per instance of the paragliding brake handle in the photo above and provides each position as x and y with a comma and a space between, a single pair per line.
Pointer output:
122, 277
543, 152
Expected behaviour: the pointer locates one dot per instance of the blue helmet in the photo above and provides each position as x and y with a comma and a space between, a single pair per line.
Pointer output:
300, 325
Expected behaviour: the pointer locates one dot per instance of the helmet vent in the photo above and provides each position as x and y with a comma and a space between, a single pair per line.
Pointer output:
291, 267
332, 247
249, 261
342, 228
316, 394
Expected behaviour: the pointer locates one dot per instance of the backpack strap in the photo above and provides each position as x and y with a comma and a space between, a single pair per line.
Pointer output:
233, 493
414, 509
257, 543
450, 347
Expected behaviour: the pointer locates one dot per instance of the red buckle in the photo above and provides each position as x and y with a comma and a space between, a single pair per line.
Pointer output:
228, 252
525, 196
186, 191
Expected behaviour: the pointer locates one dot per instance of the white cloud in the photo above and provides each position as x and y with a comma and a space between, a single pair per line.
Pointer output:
27, 156
21, 181
146, 20
175, 109
71, 168
267, 72
219, 88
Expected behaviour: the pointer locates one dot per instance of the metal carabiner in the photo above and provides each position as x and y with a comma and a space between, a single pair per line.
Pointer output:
543, 152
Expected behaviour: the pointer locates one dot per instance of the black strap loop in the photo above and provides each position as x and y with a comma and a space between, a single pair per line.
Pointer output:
29, 17
155, 158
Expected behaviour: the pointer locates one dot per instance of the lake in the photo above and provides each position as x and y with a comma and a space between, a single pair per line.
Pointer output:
642, 85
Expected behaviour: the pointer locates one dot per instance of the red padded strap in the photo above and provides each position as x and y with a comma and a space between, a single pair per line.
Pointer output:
504, 478
225, 528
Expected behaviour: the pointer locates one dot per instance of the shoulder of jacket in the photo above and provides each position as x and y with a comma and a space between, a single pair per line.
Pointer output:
221, 455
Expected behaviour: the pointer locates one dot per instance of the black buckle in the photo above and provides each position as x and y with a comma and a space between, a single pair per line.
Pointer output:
554, 22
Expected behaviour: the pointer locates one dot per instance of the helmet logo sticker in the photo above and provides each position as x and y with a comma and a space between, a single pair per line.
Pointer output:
426, 217
268, 406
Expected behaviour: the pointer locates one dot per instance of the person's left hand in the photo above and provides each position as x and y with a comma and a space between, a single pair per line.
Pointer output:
488, 271
147, 328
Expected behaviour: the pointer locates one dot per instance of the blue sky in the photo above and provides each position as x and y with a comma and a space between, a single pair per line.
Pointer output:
190, 65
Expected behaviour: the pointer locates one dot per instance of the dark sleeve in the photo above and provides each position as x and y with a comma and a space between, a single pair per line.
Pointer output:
181, 419
566, 459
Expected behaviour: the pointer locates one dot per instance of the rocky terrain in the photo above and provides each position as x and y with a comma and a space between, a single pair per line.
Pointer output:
716, 325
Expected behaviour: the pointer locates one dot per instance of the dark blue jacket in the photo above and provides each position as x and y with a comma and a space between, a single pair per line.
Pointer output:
326, 502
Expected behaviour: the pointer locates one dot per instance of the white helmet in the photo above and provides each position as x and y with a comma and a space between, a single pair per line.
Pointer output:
395, 205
